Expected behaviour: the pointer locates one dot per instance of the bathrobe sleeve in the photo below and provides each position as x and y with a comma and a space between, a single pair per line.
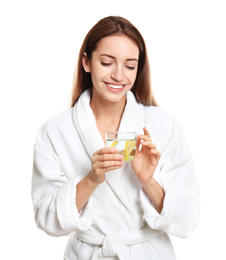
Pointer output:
176, 175
53, 194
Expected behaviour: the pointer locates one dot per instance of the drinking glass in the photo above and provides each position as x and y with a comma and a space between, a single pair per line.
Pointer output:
125, 142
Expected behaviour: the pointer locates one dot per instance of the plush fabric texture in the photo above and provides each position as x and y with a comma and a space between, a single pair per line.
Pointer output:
118, 221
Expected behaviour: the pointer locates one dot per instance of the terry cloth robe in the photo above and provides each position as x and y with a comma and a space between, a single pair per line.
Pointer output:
118, 221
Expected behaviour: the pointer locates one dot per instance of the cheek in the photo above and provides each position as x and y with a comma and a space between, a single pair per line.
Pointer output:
98, 72
97, 76
133, 76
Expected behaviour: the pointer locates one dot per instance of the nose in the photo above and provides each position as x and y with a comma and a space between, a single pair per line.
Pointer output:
117, 74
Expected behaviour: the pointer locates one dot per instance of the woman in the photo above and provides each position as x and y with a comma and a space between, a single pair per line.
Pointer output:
113, 209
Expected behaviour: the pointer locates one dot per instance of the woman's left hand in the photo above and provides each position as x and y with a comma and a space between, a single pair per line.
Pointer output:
146, 160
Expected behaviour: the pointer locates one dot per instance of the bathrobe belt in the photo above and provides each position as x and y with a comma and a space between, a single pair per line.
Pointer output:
115, 244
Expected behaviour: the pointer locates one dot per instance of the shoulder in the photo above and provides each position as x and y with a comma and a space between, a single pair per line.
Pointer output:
56, 125
58, 120
161, 123
158, 116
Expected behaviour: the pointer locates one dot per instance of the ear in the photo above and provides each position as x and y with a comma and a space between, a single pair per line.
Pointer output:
85, 63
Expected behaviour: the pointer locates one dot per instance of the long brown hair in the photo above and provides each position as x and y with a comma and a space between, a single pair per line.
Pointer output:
106, 27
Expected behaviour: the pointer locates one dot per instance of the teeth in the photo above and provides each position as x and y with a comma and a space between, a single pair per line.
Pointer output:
115, 86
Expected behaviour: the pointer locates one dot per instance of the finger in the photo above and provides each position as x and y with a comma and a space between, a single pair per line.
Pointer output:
108, 164
110, 157
156, 152
149, 144
146, 132
145, 138
106, 150
99, 156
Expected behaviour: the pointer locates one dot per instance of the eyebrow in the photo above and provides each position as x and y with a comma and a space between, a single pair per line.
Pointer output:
112, 57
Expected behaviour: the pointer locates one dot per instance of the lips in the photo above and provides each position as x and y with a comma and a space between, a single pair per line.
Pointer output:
115, 87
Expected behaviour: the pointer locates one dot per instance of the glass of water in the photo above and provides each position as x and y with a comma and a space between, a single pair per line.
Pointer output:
125, 142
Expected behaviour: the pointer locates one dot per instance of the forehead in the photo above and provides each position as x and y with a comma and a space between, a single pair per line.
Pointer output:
119, 46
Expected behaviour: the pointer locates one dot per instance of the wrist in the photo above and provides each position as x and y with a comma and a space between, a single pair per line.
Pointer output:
155, 193
151, 182
93, 179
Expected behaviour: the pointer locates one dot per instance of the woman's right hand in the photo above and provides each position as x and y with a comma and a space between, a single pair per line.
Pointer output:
104, 160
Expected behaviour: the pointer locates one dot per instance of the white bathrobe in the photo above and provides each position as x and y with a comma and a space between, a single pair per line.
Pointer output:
118, 221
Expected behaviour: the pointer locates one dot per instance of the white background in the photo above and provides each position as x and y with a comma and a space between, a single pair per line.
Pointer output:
40, 41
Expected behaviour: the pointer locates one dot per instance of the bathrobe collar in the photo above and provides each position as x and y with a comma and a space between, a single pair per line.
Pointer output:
85, 122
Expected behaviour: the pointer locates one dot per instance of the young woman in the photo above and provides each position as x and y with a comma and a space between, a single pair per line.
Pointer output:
114, 209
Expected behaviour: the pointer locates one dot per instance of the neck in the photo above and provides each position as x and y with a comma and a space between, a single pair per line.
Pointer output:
108, 114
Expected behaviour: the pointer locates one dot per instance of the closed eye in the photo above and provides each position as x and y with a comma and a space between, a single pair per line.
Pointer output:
105, 64
130, 67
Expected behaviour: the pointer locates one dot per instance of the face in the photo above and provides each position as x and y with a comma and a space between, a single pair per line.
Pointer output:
113, 67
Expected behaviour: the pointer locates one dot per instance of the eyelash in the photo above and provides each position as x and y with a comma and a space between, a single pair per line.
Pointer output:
105, 64
130, 68
109, 64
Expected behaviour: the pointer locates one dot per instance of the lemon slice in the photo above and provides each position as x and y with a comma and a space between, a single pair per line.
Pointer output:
114, 143
129, 150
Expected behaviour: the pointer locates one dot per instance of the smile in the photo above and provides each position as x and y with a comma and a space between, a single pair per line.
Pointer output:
115, 86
